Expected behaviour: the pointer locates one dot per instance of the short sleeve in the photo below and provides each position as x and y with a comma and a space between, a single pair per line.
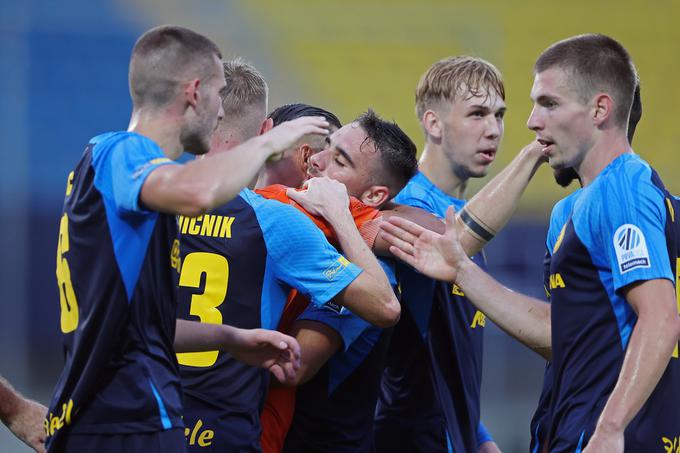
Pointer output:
629, 227
348, 325
483, 435
122, 163
300, 253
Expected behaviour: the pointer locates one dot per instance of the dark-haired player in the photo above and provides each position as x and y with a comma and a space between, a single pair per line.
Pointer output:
558, 218
119, 390
611, 330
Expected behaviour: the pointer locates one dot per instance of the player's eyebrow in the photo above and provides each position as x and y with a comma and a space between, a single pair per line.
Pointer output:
345, 154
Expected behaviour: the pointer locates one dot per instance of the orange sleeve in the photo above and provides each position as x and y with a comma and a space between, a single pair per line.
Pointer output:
276, 418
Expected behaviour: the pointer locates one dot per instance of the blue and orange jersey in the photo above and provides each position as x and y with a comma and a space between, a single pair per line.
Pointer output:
238, 265
622, 230
434, 366
334, 410
279, 409
117, 300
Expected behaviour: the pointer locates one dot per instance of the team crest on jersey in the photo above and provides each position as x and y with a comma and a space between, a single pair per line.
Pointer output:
631, 248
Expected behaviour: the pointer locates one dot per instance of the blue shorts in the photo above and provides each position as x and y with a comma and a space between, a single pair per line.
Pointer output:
406, 435
171, 441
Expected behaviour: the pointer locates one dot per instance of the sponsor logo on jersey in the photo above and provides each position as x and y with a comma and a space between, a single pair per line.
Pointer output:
631, 248
336, 268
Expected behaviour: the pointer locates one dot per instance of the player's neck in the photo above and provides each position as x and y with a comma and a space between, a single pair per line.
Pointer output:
437, 168
161, 129
604, 152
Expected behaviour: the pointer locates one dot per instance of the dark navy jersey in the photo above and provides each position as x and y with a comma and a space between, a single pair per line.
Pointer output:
238, 264
621, 231
334, 410
117, 299
434, 366
558, 218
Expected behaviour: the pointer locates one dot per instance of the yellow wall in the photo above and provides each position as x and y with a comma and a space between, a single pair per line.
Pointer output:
347, 55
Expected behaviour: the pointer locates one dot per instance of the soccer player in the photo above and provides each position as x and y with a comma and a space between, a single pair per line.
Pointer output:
239, 263
244, 102
558, 218
22, 416
120, 388
290, 167
611, 330
430, 398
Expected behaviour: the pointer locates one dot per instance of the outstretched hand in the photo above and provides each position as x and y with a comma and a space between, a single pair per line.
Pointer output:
438, 256
275, 351
286, 134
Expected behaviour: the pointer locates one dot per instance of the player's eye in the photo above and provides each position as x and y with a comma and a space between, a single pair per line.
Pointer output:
339, 162
500, 115
477, 114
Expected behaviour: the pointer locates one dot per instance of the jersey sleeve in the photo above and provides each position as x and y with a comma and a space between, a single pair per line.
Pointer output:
300, 254
630, 226
122, 167
483, 435
348, 325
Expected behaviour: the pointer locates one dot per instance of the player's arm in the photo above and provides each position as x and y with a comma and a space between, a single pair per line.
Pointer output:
487, 212
370, 295
318, 342
22, 416
442, 257
263, 348
203, 184
651, 344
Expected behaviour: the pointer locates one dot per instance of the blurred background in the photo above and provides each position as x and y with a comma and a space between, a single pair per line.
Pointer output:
64, 80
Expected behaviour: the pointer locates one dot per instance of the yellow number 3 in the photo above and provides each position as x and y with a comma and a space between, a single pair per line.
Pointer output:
67, 297
216, 269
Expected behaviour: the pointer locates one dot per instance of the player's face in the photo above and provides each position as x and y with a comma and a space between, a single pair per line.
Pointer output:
472, 130
560, 119
348, 158
196, 137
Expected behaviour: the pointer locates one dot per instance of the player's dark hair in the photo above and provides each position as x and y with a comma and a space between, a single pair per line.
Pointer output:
163, 58
594, 63
635, 113
290, 112
245, 87
397, 151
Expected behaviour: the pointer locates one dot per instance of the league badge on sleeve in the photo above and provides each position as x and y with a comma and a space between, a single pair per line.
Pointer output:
631, 248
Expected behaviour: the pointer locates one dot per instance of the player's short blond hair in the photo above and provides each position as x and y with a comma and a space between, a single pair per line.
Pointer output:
454, 78
245, 87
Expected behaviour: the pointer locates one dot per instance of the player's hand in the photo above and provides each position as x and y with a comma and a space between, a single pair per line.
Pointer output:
324, 197
489, 447
285, 135
605, 441
27, 424
438, 256
275, 351
536, 150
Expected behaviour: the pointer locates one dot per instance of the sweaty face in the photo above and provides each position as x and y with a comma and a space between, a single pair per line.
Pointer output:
560, 120
471, 130
348, 158
196, 136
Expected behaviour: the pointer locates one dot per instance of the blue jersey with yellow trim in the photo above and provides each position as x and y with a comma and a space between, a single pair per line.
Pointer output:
117, 302
238, 264
334, 410
621, 231
434, 364
558, 218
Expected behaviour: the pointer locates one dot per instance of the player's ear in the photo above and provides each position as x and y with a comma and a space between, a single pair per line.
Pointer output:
603, 108
431, 124
191, 92
375, 196
267, 125
304, 152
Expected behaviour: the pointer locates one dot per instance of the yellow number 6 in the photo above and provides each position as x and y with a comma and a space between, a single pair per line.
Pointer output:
67, 297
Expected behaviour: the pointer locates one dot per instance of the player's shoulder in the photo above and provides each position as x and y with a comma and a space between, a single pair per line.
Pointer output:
124, 144
419, 192
272, 214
